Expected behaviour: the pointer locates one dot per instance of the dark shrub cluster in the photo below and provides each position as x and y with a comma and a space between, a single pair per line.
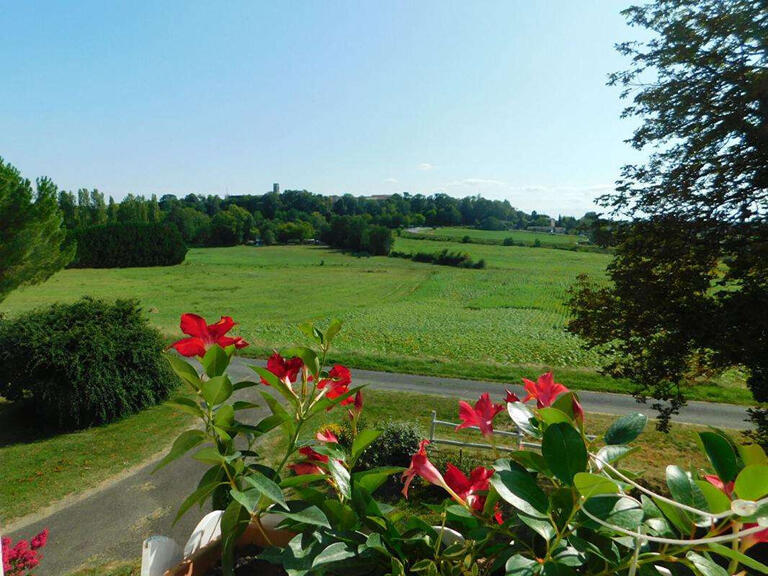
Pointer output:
83, 364
357, 234
394, 447
129, 245
443, 258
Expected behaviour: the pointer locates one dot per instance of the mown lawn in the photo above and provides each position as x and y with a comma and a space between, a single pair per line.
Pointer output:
39, 468
499, 323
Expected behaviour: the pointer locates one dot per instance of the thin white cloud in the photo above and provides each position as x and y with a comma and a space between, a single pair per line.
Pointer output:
391, 181
426, 166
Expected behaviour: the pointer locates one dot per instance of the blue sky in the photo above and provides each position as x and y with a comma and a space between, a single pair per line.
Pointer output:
506, 99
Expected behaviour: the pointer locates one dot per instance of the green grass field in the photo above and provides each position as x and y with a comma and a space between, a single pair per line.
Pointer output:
500, 323
457, 233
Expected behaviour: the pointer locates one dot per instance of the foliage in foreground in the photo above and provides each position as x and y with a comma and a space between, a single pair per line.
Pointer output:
82, 364
568, 510
32, 235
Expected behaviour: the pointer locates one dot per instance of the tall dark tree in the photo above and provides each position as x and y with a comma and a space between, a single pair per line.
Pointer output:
32, 234
689, 291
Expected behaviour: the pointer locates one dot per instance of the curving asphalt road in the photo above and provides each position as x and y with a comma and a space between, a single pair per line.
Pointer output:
111, 521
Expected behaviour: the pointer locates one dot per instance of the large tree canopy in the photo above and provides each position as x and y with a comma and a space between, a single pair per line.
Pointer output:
31, 231
689, 282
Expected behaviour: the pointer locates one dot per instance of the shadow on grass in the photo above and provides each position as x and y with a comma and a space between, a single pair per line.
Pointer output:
19, 424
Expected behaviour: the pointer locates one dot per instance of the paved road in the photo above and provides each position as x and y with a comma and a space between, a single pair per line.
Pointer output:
112, 522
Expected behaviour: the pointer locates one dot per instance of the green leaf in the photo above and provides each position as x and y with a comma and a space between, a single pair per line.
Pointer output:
519, 565
248, 498
593, 484
553, 416
557, 569
517, 487
683, 489
752, 483
617, 510
752, 454
613, 453
198, 496
215, 361
705, 566
626, 429
187, 405
217, 389
286, 419
531, 460
361, 442
183, 444
209, 455
340, 477
234, 521
721, 550
184, 370
305, 514
243, 405
541, 526
370, 480
564, 451
309, 330
333, 328
336, 552
224, 416
523, 418
564, 403
266, 487
716, 501
721, 454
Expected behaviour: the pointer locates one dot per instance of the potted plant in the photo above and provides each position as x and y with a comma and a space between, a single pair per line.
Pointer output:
567, 509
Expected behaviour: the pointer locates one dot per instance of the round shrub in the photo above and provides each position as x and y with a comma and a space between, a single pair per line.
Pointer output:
83, 364
129, 245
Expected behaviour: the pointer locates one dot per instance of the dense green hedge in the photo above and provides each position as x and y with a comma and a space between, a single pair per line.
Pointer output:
129, 245
83, 364
443, 258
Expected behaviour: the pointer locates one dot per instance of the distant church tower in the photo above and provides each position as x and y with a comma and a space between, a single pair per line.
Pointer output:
276, 188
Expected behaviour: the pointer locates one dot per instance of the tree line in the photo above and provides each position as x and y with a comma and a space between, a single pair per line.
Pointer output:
299, 216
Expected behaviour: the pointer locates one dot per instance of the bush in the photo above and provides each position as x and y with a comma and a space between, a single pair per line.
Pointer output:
394, 447
129, 245
83, 364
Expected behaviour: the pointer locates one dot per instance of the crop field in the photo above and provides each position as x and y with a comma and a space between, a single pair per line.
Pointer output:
457, 233
500, 323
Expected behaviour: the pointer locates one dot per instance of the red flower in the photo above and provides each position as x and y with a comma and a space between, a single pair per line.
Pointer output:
510, 396
578, 411
545, 390
312, 454
421, 466
302, 468
338, 383
327, 436
202, 335
285, 369
40, 540
472, 489
726, 488
357, 409
481, 415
